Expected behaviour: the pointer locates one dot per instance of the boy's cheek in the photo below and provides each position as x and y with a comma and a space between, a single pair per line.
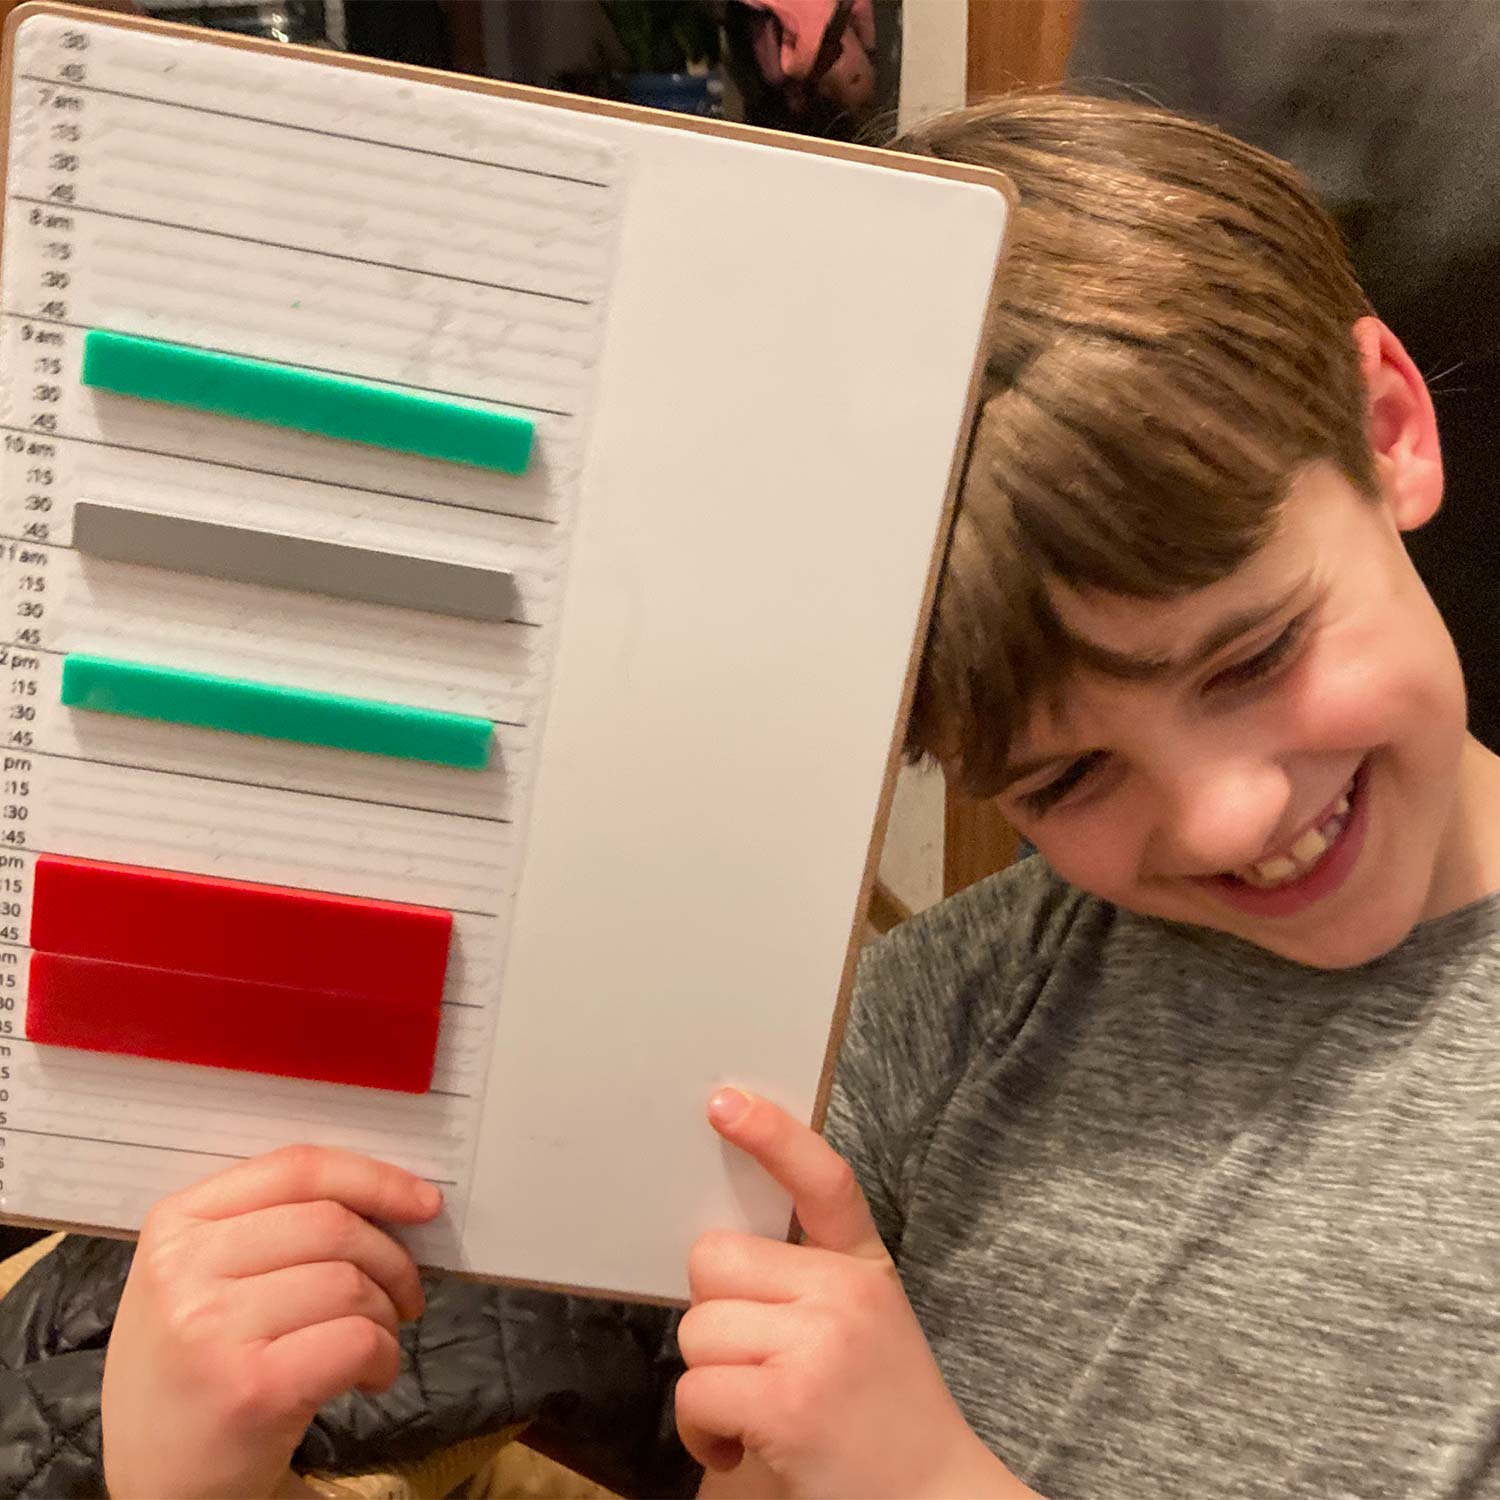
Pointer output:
1403, 690
1101, 854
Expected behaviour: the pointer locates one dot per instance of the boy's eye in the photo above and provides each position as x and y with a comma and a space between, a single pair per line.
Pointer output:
1253, 669
1264, 662
1055, 790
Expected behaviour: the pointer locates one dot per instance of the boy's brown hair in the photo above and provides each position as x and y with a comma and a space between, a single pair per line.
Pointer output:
1170, 343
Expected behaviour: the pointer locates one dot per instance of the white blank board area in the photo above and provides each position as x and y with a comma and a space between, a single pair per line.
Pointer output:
785, 384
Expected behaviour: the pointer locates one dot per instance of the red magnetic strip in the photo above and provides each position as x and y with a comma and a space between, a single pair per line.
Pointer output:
197, 924
377, 1042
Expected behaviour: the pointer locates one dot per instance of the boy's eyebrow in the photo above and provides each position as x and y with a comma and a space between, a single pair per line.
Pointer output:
1143, 667
1135, 666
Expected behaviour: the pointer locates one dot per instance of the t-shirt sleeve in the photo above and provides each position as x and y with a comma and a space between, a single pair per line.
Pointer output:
925, 996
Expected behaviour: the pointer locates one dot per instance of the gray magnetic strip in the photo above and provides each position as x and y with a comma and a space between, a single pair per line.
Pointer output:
242, 555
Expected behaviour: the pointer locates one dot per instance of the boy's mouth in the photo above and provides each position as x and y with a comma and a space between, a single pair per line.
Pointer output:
1305, 853
1312, 867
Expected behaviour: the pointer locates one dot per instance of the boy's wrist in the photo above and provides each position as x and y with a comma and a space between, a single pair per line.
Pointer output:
976, 1474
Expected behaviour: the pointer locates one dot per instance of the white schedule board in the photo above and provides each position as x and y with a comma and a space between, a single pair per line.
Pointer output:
748, 370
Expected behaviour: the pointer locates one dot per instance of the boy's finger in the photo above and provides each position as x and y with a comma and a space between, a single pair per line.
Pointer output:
727, 1263
280, 1302
731, 1331
305, 1174
711, 1408
830, 1204
314, 1364
293, 1234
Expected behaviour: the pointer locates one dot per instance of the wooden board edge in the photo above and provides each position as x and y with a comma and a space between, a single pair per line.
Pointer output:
894, 760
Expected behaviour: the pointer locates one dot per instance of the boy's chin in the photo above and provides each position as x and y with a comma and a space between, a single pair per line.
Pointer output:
1346, 943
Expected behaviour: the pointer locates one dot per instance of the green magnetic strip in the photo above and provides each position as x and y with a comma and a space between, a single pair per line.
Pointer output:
206, 701
329, 405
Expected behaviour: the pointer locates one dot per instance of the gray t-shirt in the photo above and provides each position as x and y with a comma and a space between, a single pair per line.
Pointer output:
1182, 1218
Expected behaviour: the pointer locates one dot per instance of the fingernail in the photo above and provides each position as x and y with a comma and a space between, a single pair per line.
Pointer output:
728, 1107
430, 1198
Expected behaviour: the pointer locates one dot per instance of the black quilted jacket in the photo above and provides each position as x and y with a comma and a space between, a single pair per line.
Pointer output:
596, 1376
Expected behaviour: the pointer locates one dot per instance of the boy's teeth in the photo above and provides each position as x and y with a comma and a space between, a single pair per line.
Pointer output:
1305, 853
1280, 868
1309, 847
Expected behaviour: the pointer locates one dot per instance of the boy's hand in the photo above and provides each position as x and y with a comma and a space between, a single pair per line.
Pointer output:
255, 1297
806, 1361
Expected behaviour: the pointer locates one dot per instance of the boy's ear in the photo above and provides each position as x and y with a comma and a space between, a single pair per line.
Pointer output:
1400, 424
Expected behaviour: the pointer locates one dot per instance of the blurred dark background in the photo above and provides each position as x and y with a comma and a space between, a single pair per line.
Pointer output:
824, 66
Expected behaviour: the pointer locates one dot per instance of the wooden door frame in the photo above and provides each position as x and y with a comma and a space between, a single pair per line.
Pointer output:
1012, 44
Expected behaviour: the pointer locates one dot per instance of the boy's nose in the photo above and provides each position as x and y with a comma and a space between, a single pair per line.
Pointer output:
1224, 816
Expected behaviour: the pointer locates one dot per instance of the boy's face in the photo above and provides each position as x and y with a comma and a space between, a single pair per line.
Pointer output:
1305, 783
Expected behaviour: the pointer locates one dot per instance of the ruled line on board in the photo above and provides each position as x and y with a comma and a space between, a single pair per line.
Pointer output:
458, 911
68, 86
339, 255
219, 463
248, 1098
58, 651
100, 1140
263, 786
33, 541
406, 385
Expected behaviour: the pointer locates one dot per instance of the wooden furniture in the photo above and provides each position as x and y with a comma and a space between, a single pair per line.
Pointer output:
1018, 44
1012, 44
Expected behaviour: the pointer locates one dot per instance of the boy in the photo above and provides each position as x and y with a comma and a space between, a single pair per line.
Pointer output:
1180, 1138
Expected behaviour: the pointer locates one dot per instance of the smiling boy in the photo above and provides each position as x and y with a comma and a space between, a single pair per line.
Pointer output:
1281, 755
1173, 1149
1182, 1136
